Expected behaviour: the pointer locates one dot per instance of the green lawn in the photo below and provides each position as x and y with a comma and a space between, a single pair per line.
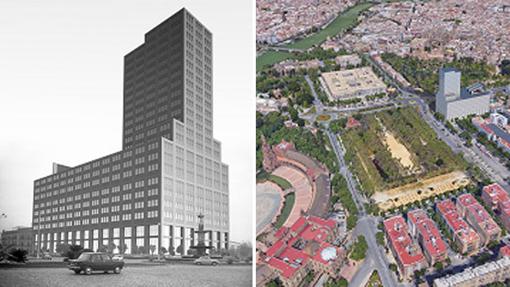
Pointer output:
270, 58
281, 182
287, 208
342, 22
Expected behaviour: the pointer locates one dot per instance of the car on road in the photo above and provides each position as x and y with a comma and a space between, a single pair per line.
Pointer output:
117, 257
89, 262
206, 260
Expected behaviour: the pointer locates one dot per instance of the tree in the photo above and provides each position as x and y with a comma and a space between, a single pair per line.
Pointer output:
171, 250
438, 265
102, 248
180, 249
163, 250
245, 250
62, 248
342, 282
122, 248
74, 251
393, 267
18, 255
359, 249
111, 247
142, 249
379, 236
152, 249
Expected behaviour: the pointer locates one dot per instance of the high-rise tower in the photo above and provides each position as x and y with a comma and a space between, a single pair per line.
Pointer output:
169, 169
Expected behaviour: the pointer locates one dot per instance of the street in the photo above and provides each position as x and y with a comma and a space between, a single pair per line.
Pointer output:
165, 275
366, 226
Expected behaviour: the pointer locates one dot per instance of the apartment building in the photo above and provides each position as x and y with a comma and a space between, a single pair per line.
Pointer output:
407, 253
497, 198
478, 218
427, 234
464, 237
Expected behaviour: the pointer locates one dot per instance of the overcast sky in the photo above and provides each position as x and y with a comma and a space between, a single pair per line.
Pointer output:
61, 79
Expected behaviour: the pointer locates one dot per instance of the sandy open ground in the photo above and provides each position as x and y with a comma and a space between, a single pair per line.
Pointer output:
398, 150
422, 189
269, 203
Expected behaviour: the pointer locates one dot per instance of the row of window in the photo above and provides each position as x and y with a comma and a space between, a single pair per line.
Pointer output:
97, 220
59, 205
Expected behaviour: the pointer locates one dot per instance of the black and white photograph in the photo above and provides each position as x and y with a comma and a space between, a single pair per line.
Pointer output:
127, 137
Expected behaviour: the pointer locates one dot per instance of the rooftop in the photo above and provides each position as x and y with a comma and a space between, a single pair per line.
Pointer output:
308, 240
464, 232
432, 240
408, 252
348, 82
479, 213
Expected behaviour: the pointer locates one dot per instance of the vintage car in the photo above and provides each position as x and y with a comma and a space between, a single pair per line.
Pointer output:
89, 262
206, 260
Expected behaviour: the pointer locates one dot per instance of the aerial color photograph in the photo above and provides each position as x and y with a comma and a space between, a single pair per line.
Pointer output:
118, 164
382, 143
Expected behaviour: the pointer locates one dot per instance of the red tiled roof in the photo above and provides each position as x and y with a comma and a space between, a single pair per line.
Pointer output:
479, 213
288, 259
325, 222
408, 252
432, 240
281, 232
504, 251
274, 249
286, 270
498, 196
455, 221
298, 224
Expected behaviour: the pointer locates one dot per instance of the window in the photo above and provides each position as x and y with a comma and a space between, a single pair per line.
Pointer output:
153, 230
140, 231
127, 231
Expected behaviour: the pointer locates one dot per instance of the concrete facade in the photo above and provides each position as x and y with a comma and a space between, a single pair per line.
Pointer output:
169, 170
453, 103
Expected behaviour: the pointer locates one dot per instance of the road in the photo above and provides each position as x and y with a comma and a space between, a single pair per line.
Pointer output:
166, 275
316, 102
366, 225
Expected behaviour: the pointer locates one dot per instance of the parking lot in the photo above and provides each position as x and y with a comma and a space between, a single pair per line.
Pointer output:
165, 275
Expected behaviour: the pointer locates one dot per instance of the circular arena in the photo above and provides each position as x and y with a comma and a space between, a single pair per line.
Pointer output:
269, 203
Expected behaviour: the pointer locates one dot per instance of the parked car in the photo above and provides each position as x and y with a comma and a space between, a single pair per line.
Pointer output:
95, 261
206, 260
117, 257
